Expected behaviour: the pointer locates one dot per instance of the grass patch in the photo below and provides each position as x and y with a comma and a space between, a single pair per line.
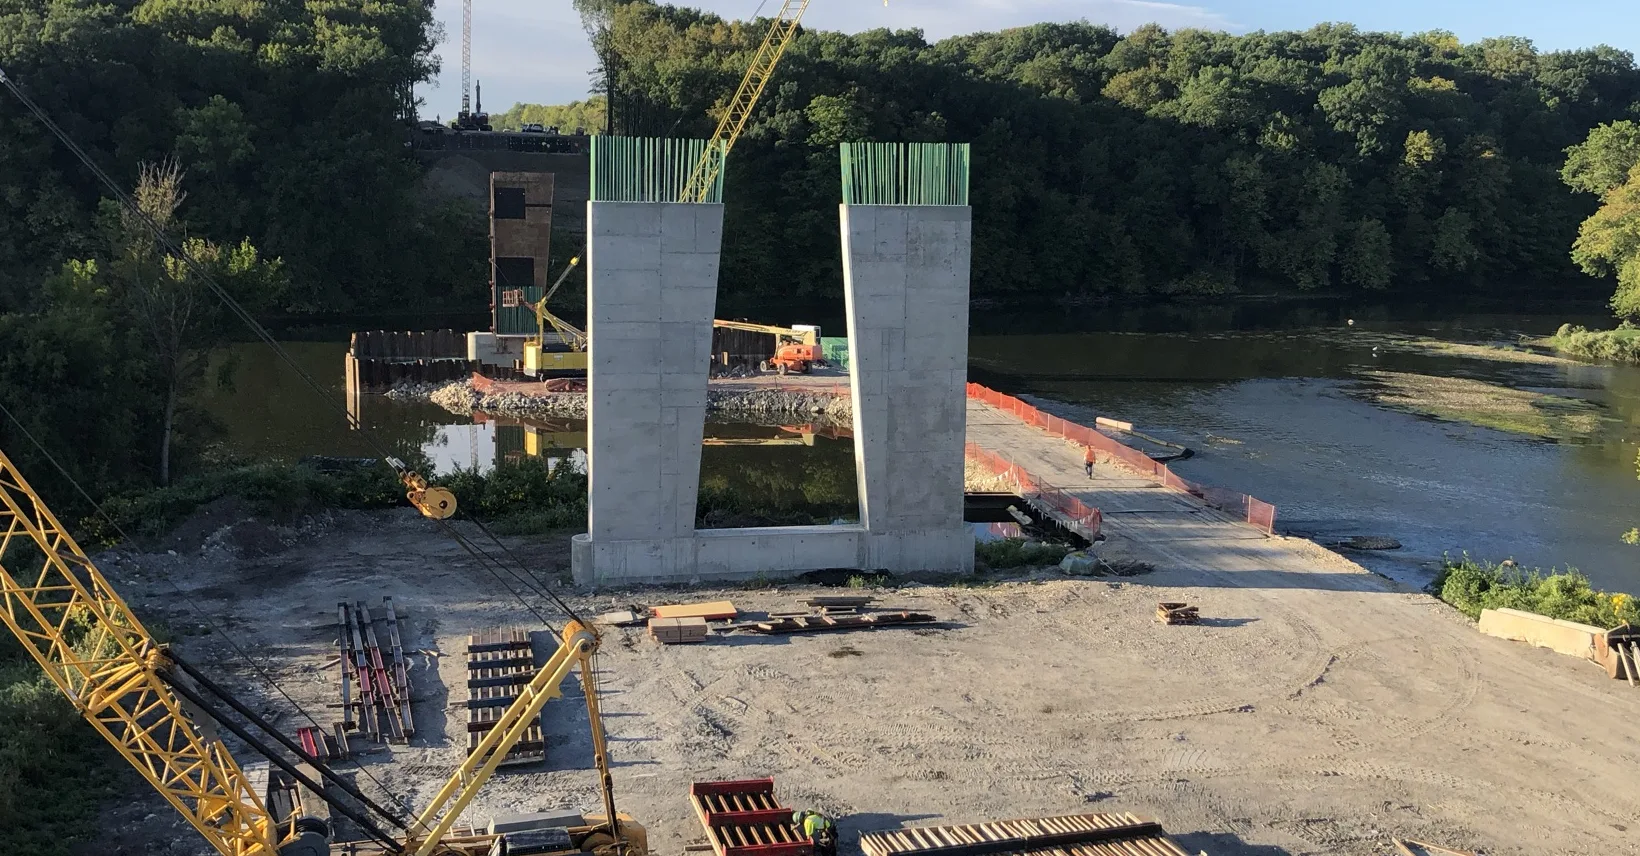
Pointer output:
1472, 586
1017, 553
1621, 345
514, 498
1440, 347
863, 581
1489, 405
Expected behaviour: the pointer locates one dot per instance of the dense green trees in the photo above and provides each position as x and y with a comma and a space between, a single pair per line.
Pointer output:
1159, 162
284, 115
1607, 165
588, 114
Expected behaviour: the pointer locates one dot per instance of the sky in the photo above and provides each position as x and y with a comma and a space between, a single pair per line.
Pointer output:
535, 50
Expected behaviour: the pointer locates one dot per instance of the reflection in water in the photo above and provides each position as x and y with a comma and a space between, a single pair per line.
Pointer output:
1267, 413
269, 412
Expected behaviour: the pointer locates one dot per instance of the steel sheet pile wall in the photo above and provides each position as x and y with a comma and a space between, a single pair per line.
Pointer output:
1255, 512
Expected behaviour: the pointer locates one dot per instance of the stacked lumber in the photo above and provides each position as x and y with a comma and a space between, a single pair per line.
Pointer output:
1171, 612
714, 611
821, 623
500, 663
1115, 834
839, 602
744, 819
375, 685
677, 631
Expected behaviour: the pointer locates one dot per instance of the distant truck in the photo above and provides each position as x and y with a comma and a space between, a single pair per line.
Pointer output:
533, 128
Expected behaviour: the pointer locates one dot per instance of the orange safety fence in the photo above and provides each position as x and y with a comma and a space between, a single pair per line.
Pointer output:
1077, 515
1257, 513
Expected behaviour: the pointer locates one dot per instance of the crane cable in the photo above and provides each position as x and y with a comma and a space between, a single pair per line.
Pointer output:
284, 356
198, 611
478, 553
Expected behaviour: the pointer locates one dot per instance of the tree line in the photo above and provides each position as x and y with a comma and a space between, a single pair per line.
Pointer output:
1156, 163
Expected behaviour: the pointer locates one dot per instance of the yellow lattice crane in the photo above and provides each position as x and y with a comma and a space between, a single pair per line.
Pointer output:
782, 29
160, 712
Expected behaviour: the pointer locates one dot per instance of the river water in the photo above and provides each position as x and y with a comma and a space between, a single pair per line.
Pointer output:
1260, 395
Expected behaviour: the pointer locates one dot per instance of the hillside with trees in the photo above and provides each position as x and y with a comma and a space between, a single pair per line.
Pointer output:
1156, 163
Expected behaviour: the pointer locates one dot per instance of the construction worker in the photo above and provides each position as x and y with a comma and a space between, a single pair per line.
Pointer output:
818, 829
1087, 460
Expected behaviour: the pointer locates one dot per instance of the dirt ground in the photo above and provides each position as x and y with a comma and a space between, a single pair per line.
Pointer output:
1318, 711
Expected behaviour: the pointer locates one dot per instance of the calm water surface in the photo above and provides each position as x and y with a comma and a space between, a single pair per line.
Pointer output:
1260, 395
1267, 413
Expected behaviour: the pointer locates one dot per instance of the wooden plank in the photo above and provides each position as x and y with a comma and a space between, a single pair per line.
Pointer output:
342, 647
715, 611
1019, 835
840, 600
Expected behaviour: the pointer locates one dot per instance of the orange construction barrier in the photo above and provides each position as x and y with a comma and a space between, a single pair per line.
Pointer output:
1077, 515
1255, 512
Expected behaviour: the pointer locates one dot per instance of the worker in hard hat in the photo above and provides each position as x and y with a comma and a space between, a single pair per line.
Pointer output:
818, 829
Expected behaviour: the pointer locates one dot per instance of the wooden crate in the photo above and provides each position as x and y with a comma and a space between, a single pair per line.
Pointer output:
677, 631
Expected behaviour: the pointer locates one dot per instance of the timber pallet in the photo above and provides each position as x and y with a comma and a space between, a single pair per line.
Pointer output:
500, 663
1171, 612
1115, 834
375, 685
744, 819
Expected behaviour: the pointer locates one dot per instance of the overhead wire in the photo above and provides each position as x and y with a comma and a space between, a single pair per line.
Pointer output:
485, 560
197, 610
279, 351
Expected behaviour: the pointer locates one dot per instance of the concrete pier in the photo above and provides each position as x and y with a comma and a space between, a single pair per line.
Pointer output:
652, 269
905, 275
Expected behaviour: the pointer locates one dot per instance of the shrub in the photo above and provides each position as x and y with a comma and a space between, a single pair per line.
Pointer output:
1620, 345
1017, 553
1472, 586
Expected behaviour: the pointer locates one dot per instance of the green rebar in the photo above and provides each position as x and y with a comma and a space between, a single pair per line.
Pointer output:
905, 173
650, 169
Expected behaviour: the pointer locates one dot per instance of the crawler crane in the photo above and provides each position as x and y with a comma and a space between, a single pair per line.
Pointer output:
161, 713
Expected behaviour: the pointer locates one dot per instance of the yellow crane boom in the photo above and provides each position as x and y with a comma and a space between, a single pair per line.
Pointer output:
127, 685
84, 636
739, 110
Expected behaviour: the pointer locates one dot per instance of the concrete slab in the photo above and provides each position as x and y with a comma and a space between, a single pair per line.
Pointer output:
1563, 637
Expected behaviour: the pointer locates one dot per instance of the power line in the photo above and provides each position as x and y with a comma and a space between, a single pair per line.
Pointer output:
262, 333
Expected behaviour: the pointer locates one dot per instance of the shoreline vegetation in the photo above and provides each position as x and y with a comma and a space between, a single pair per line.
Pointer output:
1469, 586
1620, 345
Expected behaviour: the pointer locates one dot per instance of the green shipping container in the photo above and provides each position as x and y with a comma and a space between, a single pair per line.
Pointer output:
834, 350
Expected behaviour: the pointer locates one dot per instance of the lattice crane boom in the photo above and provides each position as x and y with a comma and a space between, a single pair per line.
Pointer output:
95, 650
739, 110
466, 54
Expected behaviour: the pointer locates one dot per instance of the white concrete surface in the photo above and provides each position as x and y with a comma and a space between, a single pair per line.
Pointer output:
905, 275
652, 270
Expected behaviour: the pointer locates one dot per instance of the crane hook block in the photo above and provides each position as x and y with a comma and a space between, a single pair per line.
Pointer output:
435, 503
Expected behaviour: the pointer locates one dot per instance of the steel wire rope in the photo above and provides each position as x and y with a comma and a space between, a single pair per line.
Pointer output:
262, 333
198, 611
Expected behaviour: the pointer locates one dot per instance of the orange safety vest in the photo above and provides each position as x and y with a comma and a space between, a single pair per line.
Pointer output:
1087, 457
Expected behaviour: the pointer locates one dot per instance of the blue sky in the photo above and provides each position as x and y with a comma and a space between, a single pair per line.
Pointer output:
534, 50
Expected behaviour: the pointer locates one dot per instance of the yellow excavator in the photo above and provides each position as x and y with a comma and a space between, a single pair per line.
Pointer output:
162, 714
